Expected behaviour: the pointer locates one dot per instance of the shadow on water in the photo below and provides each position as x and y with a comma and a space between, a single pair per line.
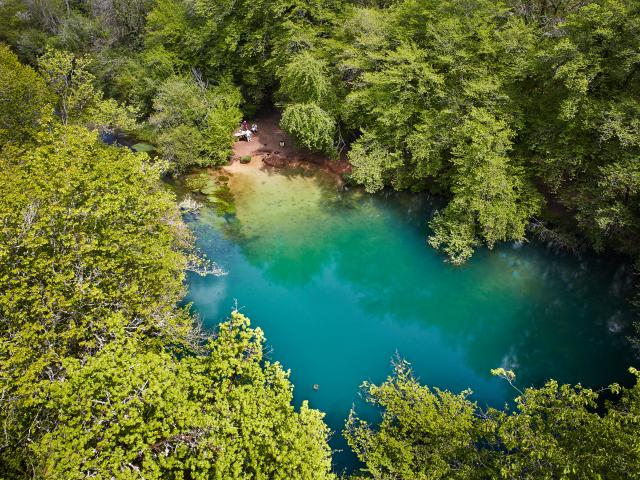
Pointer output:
340, 281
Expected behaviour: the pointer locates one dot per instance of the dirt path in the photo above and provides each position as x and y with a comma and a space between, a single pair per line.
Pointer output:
265, 149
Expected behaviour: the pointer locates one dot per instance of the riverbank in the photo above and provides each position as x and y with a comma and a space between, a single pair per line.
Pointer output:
273, 147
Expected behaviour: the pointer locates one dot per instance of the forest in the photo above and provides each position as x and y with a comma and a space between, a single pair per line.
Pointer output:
523, 115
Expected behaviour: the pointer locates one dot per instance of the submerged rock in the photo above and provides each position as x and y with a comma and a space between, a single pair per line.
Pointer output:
213, 186
189, 205
275, 160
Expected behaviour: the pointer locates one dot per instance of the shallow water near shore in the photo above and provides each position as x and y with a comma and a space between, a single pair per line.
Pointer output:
342, 282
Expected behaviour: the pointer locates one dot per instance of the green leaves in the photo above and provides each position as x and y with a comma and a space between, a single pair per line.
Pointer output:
25, 102
433, 109
102, 375
79, 102
582, 120
312, 127
492, 200
554, 432
131, 413
88, 228
508, 375
93, 253
372, 163
195, 121
424, 433
305, 79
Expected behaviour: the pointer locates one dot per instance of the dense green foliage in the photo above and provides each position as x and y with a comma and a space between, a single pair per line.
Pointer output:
102, 376
511, 110
553, 432
24, 99
428, 83
128, 412
193, 122
78, 101
415, 87
311, 126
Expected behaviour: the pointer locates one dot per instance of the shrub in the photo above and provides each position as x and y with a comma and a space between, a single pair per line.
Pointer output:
312, 127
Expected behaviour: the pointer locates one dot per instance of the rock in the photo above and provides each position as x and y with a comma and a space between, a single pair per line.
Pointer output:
274, 160
317, 160
189, 205
340, 167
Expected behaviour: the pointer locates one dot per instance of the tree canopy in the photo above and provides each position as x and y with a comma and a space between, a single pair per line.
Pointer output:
522, 116
554, 431
406, 84
25, 100
102, 375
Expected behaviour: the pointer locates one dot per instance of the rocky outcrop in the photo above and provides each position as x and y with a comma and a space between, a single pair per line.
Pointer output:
339, 167
275, 160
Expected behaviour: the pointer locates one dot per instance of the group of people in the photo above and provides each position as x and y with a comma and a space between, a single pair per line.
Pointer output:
247, 132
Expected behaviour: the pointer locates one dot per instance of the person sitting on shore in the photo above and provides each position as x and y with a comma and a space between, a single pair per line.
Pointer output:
254, 128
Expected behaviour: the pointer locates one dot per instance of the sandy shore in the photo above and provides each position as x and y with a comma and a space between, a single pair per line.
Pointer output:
265, 150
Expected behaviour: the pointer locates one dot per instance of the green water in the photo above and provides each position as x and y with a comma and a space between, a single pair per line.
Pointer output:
342, 281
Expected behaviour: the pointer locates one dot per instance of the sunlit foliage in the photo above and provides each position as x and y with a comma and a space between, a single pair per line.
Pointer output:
194, 122
102, 376
310, 125
553, 432
25, 100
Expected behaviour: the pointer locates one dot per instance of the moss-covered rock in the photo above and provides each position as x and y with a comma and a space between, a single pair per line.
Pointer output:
213, 186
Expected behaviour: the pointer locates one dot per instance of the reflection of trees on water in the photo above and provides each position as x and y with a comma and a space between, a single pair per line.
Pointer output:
552, 321
294, 254
540, 313
293, 249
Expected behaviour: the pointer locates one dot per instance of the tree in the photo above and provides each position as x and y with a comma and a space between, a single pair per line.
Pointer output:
489, 104
248, 40
306, 79
372, 162
423, 434
581, 97
92, 245
431, 109
124, 18
557, 432
195, 121
102, 375
126, 413
554, 431
25, 101
79, 101
311, 126
492, 200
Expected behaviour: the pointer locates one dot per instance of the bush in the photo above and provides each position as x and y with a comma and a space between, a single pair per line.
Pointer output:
245, 159
194, 122
312, 127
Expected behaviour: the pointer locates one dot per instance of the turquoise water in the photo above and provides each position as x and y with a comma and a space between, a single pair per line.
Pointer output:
341, 282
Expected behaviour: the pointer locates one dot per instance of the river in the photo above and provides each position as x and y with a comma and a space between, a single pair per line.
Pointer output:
342, 282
